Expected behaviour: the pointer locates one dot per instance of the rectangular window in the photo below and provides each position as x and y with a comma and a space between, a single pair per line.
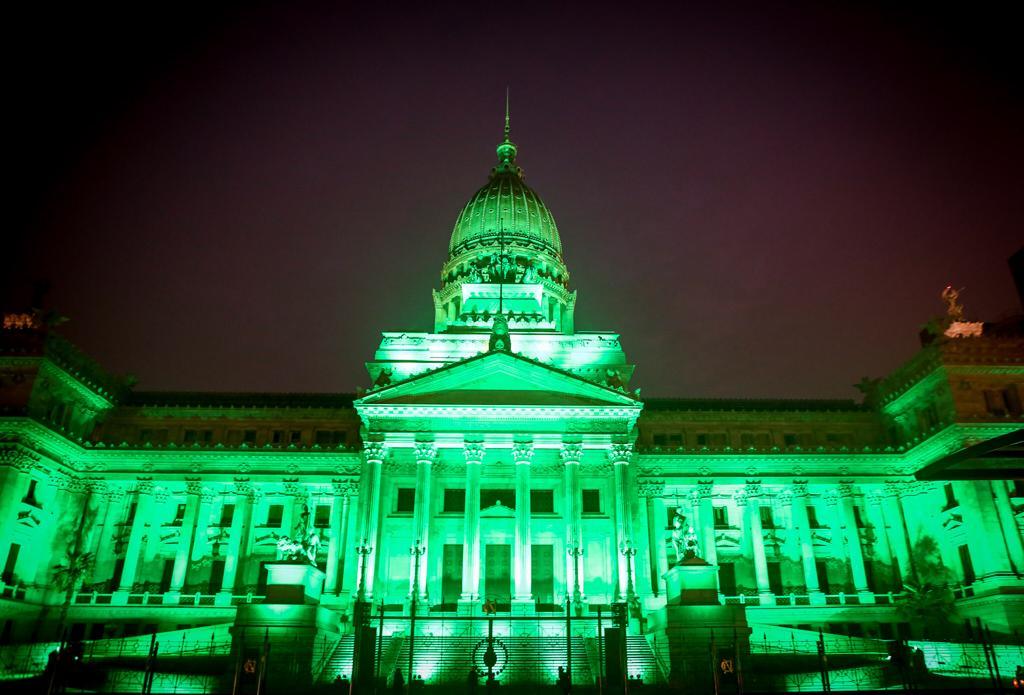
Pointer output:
869, 575
322, 517
216, 576
11, 563
821, 569
330, 437
858, 517
30, 494
295, 437
166, 575
755, 439
775, 578
542, 501
405, 499
660, 439
497, 498
838, 438
950, 496
227, 514
767, 518
249, 437
965, 562
995, 403
727, 578
275, 515
721, 515
277, 437
591, 501
234, 438
1011, 395
454, 499
179, 515
812, 517
675, 439
794, 439
711, 439
190, 436
1018, 489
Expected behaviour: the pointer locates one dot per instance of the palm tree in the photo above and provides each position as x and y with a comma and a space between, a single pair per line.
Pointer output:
67, 576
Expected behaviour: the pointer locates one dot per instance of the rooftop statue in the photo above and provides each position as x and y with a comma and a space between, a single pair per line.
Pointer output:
684, 538
954, 309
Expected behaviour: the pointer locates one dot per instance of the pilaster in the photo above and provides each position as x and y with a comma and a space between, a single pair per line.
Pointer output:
474, 454
425, 454
750, 499
522, 455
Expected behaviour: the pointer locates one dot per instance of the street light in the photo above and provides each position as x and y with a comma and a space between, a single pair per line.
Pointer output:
363, 550
417, 551
576, 552
629, 552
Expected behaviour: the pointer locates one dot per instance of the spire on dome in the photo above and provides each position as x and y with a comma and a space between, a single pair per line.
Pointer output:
507, 150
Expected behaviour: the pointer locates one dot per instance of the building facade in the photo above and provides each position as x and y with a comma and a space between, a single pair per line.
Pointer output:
504, 458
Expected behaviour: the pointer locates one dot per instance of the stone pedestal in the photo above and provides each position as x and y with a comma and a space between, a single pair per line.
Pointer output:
523, 606
294, 582
291, 622
692, 582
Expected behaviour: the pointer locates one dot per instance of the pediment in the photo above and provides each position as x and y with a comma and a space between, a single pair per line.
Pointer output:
498, 379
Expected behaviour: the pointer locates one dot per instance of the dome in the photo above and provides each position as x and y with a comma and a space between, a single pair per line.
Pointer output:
505, 203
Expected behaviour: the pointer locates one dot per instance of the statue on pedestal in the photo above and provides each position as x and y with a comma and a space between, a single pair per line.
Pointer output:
304, 546
684, 538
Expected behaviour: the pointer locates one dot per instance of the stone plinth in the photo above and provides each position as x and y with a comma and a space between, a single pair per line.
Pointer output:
687, 636
692, 582
293, 583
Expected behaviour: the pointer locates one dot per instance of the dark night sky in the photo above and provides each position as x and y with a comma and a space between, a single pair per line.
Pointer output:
763, 202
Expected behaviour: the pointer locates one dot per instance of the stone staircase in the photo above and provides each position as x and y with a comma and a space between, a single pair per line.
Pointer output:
340, 661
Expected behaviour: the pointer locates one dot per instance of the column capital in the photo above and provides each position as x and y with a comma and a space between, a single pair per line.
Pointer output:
620, 453
571, 453
244, 488
293, 487
753, 488
345, 487
876, 496
650, 488
161, 495
144, 486
705, 488
522, 452
474, 452
425, 452
194, 486
741, 497
375, 452
800, 488
831, 497
845, 488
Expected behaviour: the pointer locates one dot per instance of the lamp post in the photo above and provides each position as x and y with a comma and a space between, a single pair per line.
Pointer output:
629, 552
363, 550
417, 551
576, 552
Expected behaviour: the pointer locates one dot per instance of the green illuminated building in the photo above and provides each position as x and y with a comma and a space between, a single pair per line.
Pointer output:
515, 453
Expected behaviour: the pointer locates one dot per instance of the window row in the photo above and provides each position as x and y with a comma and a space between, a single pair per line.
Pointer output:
751, 439
542, 501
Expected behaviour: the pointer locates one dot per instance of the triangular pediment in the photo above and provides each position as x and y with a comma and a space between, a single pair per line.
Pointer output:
498, 378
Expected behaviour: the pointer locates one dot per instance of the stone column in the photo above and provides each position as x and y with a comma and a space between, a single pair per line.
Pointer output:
474, 452
426, 454
895, 526
854, 551
140, 526
337, 551
706, 520
105, 539
982, 521
750, 499
238, 539
1008, 524
574, 587
882, 549
522, 454
651, 492
369, 507
802, 524
186, 536
619, 456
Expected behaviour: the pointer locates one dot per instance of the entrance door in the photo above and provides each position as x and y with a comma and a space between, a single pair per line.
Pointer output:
498, 573
543, 571
451, 573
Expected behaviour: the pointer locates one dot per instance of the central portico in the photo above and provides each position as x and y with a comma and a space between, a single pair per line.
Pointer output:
499, 445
